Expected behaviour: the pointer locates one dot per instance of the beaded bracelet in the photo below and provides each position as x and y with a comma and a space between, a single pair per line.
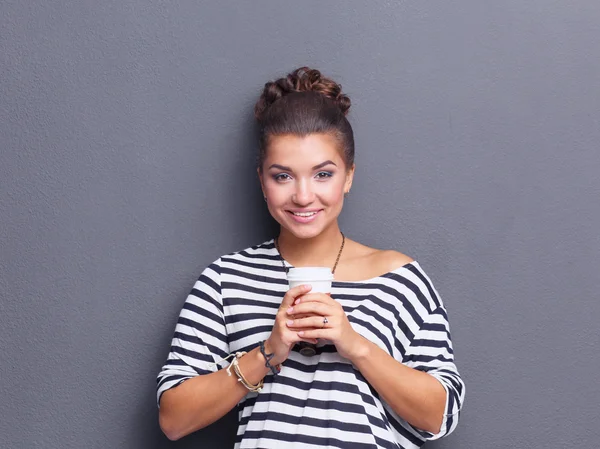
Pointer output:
274, 369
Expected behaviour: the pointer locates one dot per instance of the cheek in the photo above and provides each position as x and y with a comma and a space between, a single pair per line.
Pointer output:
334, 193
275, 193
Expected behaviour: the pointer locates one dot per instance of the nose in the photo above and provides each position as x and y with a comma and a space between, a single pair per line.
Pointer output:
303, 194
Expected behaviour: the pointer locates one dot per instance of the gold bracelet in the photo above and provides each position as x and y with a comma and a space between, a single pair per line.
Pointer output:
254, 388
236, 369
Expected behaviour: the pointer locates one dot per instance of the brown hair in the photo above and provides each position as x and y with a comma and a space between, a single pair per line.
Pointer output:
304, 102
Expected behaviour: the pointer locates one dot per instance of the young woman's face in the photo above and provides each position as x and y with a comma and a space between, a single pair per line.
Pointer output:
304, 180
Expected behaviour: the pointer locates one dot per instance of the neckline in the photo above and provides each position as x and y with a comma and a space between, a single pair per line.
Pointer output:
336, 281
383, 275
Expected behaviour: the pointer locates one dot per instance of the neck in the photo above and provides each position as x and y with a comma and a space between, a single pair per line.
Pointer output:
321, 250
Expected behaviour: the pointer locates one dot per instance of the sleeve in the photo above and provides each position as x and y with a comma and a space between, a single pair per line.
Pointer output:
431, 351
200, 338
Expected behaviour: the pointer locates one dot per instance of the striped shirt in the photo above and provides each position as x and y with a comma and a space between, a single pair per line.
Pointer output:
321, 401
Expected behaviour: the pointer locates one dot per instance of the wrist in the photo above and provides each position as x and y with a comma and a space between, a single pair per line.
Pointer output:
269, 350
269, 358
253, 366
361, 350
268, 347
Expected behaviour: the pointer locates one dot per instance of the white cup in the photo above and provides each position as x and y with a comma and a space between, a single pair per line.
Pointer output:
320, 279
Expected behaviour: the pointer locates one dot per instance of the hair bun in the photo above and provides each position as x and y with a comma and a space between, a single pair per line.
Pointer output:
303, 79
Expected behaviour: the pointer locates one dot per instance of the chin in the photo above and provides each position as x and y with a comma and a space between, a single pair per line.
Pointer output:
304, 233
300, 231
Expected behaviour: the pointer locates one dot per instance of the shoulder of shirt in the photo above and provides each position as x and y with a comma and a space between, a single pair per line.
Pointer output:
267, 245
255, 249
394, 262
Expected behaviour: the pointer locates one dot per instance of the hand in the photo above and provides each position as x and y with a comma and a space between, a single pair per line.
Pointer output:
282, 339
316, 307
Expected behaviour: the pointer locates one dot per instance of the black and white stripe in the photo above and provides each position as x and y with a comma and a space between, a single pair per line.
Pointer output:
320, 401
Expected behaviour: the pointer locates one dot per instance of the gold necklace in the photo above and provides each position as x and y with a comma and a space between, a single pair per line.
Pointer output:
336, 260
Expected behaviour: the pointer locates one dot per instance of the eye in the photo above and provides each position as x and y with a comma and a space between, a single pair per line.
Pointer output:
324, 175
281, 177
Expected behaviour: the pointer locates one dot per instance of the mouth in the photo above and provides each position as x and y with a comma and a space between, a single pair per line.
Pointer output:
304, 217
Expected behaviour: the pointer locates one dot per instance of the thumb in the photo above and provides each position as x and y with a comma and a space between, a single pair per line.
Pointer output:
293, 293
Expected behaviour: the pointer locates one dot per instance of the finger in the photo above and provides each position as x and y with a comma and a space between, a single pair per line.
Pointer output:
293, 337
313, 322
310, 308
315, 297
315, 334
297, 316
313, 341
293, 293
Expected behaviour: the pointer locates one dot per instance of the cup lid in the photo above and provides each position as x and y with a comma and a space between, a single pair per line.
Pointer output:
310, 274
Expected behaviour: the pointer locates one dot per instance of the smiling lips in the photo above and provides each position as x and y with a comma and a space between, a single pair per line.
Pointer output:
304, 216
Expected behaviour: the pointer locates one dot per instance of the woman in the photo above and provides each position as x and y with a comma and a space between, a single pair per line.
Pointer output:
383, 375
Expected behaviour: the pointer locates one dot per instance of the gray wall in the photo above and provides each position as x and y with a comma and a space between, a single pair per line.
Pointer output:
126, 166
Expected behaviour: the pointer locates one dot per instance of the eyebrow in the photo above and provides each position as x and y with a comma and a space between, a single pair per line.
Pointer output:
316, 167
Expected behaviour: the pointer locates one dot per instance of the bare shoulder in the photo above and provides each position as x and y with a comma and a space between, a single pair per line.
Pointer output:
392, 260
364, 262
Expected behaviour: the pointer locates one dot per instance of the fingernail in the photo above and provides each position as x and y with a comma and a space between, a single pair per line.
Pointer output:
297, 302
290, 310
301, 333
290, 322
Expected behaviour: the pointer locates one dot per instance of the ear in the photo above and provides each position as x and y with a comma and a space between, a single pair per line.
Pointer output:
349, 178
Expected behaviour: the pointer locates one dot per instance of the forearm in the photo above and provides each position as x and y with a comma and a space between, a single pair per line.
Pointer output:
202, 400
415, 396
